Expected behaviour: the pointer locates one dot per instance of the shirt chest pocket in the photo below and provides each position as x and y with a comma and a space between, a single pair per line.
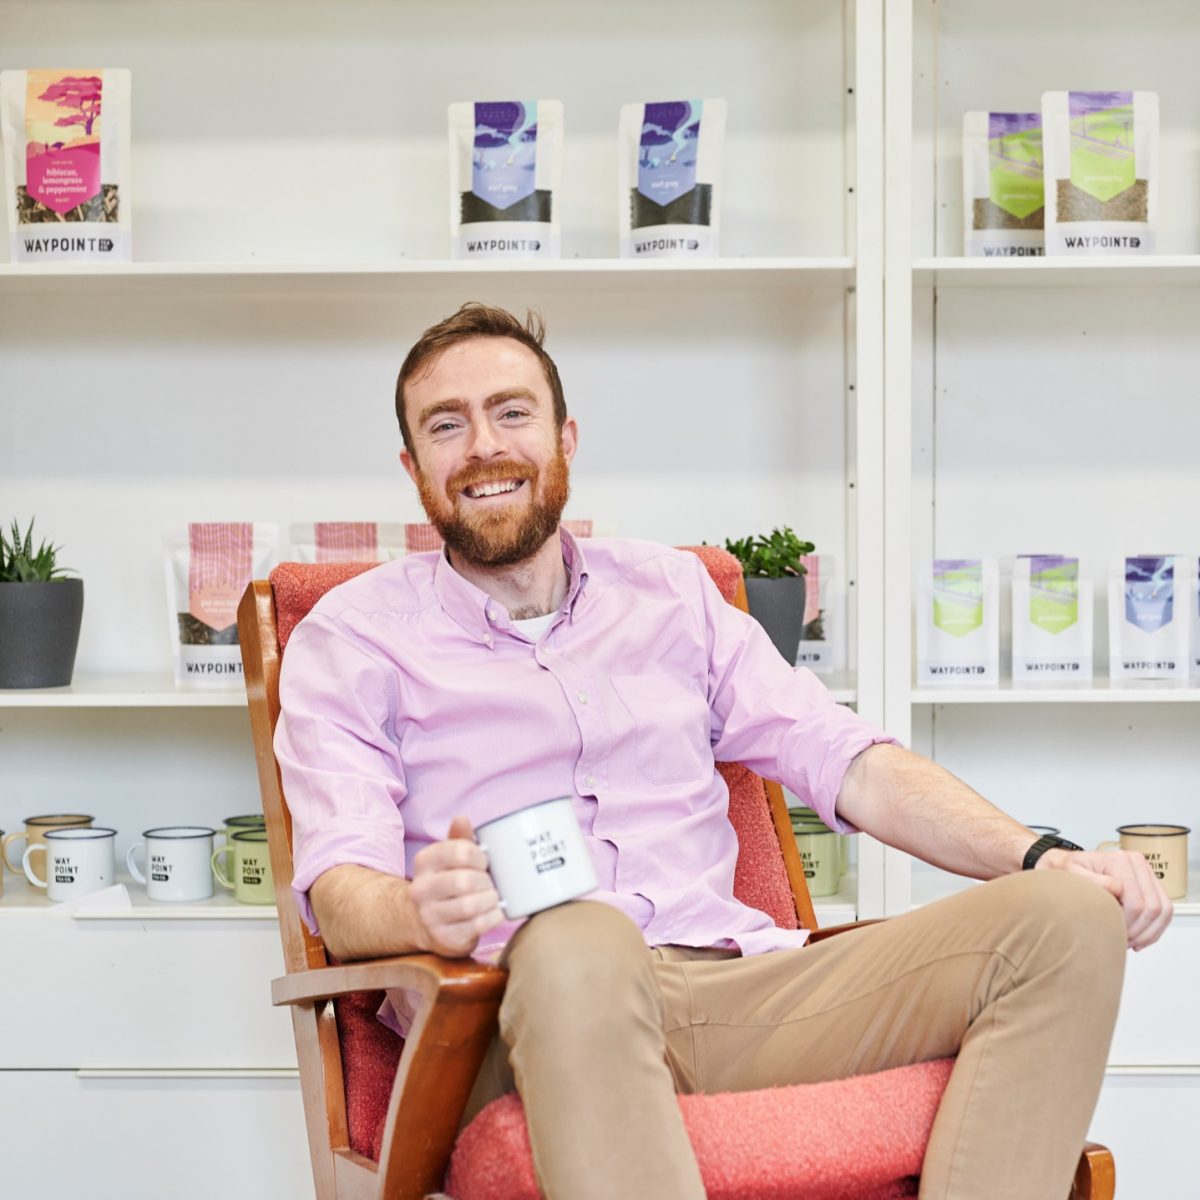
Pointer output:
670, 727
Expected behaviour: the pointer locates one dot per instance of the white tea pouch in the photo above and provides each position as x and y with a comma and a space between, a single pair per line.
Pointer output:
1101, 172
669, 178
66, 165
505, 174
1149, 603
347, 541
958, 627
816, 643
208, 568
1051, 620
1003, 194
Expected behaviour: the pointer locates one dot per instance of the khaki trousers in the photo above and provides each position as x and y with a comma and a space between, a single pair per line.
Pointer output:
1020, 978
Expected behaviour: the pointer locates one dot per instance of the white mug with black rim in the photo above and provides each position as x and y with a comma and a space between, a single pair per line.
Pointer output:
178, 862
78, 861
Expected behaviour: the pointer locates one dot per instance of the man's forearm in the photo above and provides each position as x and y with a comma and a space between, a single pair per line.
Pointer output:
913, 804
365, 914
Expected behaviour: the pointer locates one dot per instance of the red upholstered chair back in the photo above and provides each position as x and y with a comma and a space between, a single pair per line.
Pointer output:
768, 875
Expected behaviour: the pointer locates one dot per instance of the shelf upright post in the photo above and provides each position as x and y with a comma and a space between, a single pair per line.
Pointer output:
897, 358
867, 405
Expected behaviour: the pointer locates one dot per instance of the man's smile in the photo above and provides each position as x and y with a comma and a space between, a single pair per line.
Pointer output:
500, 487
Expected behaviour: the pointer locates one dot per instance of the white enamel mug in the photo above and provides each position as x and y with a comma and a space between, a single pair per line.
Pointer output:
537, 857
78, 861
178, 862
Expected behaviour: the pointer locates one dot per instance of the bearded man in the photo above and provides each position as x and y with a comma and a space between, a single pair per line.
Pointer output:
434, 693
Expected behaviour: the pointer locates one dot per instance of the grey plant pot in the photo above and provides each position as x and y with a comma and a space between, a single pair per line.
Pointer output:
778, 606
39, 632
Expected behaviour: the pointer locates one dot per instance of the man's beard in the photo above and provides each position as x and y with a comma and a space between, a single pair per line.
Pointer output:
511, 533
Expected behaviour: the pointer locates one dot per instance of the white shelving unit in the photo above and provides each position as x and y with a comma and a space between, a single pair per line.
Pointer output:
290, 177
1036, 404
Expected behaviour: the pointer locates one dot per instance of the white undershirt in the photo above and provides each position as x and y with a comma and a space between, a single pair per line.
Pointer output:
534, 627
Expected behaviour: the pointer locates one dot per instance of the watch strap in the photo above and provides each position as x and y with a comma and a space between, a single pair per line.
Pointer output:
1047, 842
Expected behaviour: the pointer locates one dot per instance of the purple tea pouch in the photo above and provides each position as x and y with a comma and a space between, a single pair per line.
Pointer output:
505, 171
669, 178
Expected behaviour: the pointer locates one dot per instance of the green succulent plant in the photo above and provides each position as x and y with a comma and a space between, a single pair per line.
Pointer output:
771, 557
20, 563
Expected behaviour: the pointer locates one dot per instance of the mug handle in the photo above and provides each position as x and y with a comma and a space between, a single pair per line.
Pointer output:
8, 840
132, 865
1109, 846
30, 851
216, 866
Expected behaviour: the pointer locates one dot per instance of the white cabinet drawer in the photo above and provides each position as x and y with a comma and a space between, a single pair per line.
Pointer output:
1157, 1025
143, 989
145, 1139
1149, 1123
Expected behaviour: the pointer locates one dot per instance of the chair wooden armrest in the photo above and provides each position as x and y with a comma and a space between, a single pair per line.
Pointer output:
819, 935
455, 1022
1096, 1175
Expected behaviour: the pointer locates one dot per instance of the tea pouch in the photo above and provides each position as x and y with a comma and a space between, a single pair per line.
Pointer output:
958, 627
66, 165
347, 541
816, 646
1101, 172
1051, 619
505, 174
208, 568
1149, 602
669, 174
1003, 193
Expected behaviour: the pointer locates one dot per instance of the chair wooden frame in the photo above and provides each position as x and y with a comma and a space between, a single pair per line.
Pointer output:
459, 1000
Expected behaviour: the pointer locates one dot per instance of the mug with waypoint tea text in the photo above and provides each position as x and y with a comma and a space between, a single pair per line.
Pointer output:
1165, 849
537, 857
177, 862
79, 860
250, 877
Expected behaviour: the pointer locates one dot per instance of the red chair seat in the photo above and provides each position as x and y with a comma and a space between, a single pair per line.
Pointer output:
849, 1139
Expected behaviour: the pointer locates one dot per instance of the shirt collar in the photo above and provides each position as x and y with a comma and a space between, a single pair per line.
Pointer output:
467, 605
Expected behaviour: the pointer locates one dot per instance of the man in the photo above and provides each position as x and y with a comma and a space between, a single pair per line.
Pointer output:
434, 693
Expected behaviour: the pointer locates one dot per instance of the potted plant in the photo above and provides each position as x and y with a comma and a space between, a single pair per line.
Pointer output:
40, 614
775, 584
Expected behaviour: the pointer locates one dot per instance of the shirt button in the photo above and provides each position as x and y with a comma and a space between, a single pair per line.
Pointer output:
492, 614
583, 697
590, 781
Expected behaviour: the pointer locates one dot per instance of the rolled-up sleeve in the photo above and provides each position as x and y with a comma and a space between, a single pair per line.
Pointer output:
780, 720
339, 757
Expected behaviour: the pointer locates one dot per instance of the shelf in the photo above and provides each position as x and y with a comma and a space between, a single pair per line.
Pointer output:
21, 896
930, 884
1101, 691
1153, 270
159, 691
377, 278
123, 691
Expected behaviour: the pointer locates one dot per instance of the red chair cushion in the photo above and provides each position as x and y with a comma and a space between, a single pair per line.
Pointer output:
849, 1139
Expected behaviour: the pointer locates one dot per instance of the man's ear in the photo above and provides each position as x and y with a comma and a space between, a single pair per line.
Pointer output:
570, 438
409, 464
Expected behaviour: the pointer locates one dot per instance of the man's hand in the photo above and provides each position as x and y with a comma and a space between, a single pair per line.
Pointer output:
1127, 876
455, 901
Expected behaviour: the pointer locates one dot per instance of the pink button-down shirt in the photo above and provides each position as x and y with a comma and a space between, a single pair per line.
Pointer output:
408, 697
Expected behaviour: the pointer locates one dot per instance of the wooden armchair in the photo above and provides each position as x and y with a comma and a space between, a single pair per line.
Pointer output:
349, 1063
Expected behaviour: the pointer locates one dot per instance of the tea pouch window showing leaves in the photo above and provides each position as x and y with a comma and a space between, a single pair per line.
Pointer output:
958, 626
505, 175
66, 156
208, 566
1150, 598
668, 190
1003, 190
1101, 172
1051, 620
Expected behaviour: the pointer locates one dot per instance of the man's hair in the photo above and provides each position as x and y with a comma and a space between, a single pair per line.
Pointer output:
476, 320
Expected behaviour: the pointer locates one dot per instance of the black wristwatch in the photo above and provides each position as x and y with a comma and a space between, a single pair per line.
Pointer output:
1048, 842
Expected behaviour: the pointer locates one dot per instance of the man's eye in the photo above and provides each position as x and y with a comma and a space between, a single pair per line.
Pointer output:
442, 427
512, 412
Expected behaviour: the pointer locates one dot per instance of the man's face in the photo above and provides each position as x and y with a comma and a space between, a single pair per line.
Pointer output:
488, 462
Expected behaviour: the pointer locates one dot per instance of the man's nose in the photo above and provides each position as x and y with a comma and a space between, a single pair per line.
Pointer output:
484, 442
